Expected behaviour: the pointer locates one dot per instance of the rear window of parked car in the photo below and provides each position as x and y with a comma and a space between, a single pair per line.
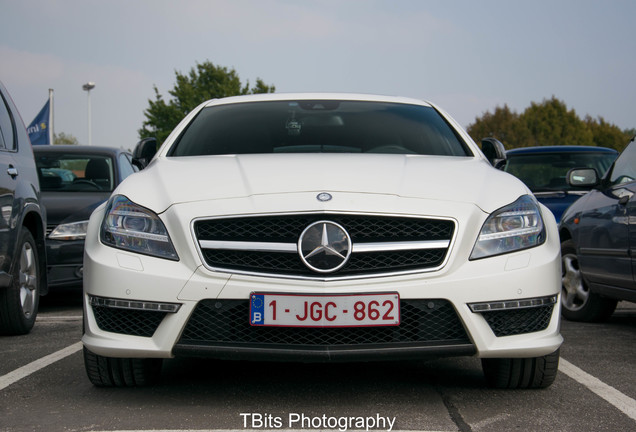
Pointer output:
319, 127
548, 171
76, 172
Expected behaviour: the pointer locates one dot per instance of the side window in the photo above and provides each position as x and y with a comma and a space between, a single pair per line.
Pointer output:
625, 168
125, 167
7, 140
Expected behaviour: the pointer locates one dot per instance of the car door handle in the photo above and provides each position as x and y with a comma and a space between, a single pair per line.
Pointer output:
12, 171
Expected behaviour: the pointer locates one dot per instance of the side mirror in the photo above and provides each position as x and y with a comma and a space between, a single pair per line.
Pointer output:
144, 151
583, 177
494, 151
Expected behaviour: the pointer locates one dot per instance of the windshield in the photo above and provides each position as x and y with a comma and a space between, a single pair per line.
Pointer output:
548, 171
319, 127
60, 172
625, 169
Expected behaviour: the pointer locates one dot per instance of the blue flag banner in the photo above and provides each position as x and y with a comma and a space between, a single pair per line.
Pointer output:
38, 130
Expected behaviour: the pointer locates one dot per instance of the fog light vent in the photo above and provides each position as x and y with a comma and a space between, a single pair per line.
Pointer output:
509, 318
133, 318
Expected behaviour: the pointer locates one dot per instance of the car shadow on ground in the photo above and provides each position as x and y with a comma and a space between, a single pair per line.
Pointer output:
625, 313
61, 298
264, 377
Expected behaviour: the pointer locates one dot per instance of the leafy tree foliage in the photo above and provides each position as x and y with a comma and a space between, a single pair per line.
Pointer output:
552, 122
204, 81
607, 135
503, 124
547, 123
63, 139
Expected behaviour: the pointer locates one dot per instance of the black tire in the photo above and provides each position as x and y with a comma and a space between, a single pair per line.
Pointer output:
578, 303
521, 373
121, 372
19, 302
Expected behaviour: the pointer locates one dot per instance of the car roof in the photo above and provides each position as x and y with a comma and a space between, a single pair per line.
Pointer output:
560, 149
264, 97
83, 149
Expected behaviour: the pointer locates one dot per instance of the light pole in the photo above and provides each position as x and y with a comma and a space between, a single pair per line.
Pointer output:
88, 87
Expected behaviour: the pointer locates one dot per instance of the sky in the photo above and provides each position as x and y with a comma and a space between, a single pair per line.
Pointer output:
466, 56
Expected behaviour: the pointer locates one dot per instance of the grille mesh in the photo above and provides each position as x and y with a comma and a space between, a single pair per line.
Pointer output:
290, 264
287, 229
223, 322
128, 321
519, 321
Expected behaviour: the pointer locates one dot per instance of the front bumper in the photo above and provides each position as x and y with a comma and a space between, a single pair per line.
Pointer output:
115, 274
213, 313
65, 262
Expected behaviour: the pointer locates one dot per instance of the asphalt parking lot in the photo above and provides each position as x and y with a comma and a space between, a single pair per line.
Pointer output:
43, 387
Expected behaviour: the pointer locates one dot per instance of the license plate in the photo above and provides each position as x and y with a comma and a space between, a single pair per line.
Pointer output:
345, 310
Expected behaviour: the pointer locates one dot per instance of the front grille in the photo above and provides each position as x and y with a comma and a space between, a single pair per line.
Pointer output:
128, 321
286, 229
226, 322
519, 321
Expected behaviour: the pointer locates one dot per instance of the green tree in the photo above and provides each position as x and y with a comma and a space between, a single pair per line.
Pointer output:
63, 139
551, 123
606, 134
204, 81
502, 124
547, 123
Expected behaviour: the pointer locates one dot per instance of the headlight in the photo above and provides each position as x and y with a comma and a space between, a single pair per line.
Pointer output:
513, 227
131, 227
70, 231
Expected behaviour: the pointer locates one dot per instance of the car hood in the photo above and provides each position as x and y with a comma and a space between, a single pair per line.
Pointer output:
65, 207
169, 181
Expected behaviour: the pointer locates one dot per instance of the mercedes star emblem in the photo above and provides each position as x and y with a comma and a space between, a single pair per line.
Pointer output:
323, 197
324, 246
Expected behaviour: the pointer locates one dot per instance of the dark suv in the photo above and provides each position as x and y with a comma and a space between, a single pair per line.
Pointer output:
22, 225
598, 239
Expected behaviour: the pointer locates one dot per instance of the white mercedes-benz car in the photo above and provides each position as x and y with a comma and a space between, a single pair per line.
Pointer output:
321, 227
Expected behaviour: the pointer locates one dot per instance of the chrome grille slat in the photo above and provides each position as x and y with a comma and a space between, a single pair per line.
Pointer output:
293, 247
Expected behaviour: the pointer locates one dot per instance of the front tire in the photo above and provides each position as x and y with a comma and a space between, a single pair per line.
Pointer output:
578, 302
19, 302
121, 372
521, 373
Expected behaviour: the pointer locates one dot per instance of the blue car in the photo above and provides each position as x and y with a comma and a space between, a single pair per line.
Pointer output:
544, 170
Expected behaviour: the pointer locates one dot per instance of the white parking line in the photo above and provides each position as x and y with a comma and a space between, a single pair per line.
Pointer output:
58, 318
618, 399
24, 371
621, 401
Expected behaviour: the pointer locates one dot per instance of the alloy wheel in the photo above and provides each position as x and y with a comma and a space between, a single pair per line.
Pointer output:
28, 279
575, 294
